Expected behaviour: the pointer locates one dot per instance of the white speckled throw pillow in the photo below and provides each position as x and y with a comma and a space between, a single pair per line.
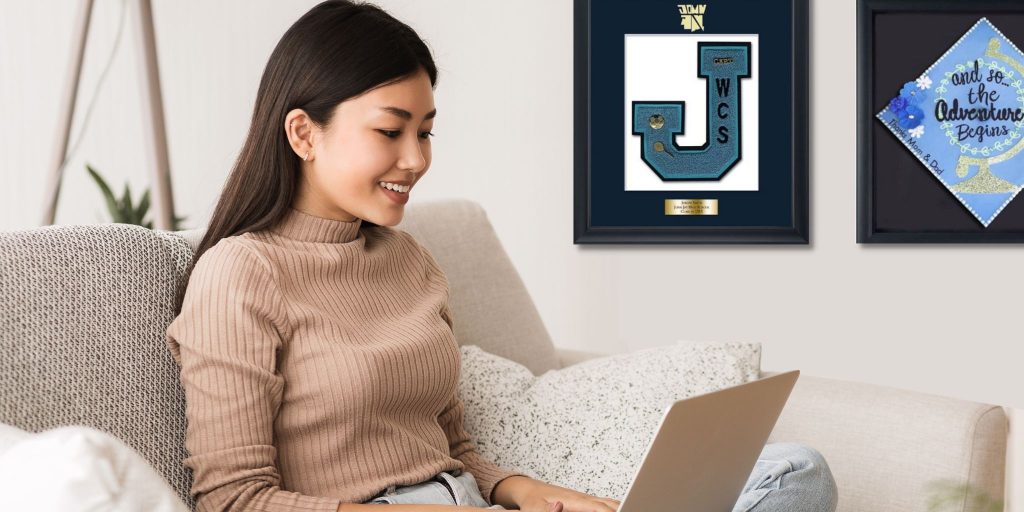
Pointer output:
586, 426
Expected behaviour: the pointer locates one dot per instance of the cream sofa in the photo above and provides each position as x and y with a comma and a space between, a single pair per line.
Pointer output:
84, 310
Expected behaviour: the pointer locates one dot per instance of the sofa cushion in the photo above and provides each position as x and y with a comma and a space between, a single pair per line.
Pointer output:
587, 426
82, 336
490, 305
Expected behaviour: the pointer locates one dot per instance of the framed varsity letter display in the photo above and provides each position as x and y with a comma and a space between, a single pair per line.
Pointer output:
690, 121
941, 121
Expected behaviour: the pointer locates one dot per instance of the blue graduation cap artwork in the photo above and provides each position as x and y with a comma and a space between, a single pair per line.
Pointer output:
963, 118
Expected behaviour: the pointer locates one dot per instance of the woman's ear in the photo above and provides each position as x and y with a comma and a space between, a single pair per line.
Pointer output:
299, 129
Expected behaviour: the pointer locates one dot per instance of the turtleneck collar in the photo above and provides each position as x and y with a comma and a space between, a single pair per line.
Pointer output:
300, 225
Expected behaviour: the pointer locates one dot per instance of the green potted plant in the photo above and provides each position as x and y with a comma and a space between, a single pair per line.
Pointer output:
952, 496
122, 210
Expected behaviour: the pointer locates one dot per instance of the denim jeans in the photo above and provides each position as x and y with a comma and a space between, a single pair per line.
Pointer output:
787, 477
790, 477
455, 488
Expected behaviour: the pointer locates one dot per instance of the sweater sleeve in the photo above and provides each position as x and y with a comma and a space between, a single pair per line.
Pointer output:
226, 340
460, 442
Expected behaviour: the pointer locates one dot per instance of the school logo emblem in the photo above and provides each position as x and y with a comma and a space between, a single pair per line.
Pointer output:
692, 16
723, 65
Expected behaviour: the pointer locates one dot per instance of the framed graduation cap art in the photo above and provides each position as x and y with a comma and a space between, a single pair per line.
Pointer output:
690, 121
940, 121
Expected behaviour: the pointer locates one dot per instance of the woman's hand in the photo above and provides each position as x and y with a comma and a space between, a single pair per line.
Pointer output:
544, 497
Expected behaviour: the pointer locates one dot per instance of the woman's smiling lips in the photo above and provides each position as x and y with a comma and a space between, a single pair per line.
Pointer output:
394, 195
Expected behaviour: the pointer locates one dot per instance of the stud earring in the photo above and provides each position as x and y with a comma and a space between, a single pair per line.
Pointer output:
305, 157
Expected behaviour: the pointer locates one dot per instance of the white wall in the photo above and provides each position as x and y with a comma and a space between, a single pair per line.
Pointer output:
886, 315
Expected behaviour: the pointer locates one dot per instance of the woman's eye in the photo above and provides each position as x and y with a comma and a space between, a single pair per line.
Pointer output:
391, 134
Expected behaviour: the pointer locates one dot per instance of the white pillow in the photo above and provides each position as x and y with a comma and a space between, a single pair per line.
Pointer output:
10, 436
79, 468
586, 426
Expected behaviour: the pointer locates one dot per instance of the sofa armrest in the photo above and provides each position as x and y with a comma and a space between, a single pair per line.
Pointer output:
887, 447
192, 236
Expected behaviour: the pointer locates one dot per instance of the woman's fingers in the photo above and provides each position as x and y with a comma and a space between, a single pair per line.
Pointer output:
606, 504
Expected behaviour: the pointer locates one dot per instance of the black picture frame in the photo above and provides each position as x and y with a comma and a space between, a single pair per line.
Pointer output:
926, 212
775, 213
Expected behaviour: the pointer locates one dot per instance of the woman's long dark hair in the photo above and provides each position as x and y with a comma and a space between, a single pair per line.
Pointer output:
337, 50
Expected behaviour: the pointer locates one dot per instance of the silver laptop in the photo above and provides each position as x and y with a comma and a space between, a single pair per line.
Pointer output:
706, 447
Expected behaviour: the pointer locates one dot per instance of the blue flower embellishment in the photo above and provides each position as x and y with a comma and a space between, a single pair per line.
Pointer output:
897, 104
906, 105
910, 117
913, 94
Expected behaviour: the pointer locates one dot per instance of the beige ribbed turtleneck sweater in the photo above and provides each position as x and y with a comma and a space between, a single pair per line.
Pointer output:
319, 367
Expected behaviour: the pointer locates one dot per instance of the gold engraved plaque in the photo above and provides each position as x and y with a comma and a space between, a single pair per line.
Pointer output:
691, 207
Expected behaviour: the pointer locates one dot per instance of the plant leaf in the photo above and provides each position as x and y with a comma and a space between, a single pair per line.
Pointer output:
126, 207
950, 495
108, 195
143, 207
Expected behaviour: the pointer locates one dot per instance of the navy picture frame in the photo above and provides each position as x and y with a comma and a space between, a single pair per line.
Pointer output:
775, 213
898, 201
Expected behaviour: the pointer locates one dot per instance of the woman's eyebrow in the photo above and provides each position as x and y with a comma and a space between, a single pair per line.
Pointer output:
405, 114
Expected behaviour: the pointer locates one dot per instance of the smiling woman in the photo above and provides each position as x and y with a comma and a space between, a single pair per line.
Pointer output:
315, 340
373, 181
318, 360
343, 101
